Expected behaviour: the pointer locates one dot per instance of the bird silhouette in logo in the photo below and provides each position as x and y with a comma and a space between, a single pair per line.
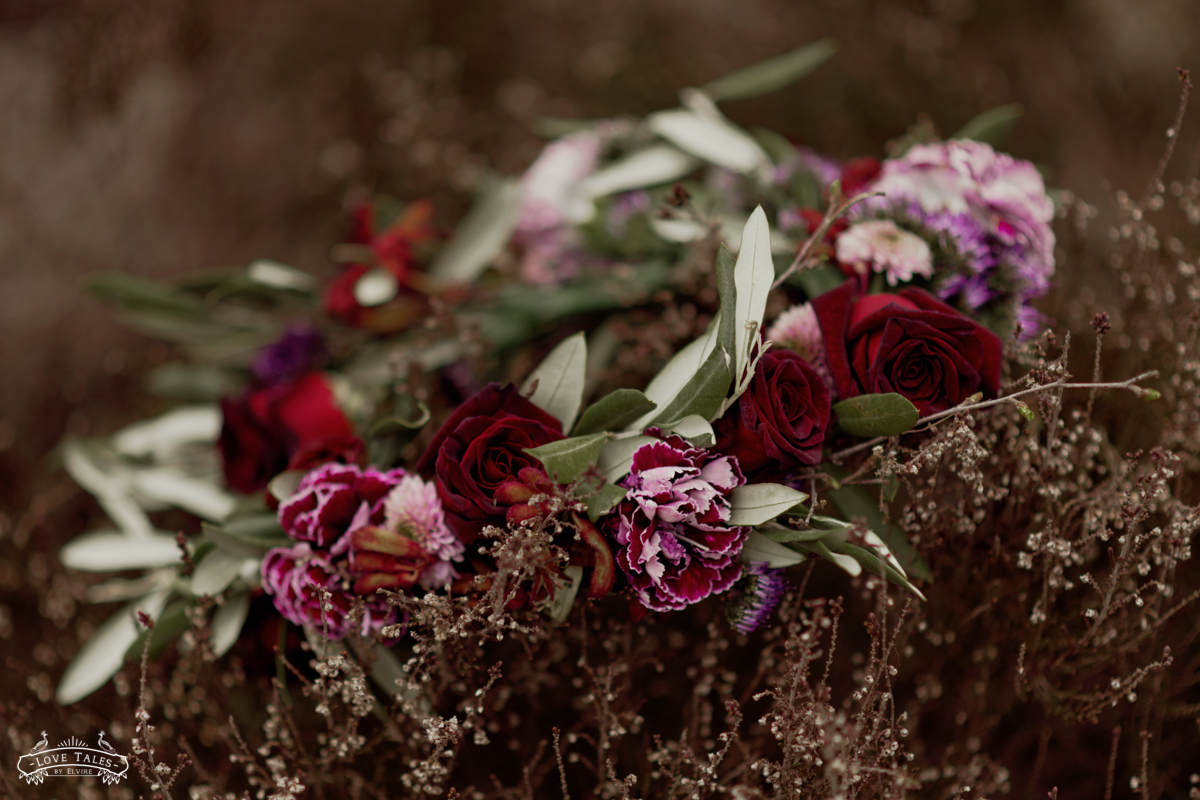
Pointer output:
105, 745
42, 745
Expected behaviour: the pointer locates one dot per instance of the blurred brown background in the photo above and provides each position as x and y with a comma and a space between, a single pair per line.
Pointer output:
157, 137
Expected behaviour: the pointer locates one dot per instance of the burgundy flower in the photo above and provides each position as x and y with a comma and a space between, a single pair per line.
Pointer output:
292, 576
334, 499
390, 250
480, 448
779, 423
677, 546
264, 428
910, 343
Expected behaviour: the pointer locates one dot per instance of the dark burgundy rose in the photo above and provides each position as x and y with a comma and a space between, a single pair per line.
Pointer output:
858, 174
779, 423
909, 343
480, 448
266, 427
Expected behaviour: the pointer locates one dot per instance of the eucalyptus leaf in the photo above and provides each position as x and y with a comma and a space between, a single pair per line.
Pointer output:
753, 274
481, 236
847, 563
616, 457
682, 368
135, 292
760, 549
716, 140
771, 74
613, 412
110, 551
990, 126
695, 428
557, 383
564, 598
782, 535
567, 459
173, 487
650, 167
166, 433
216, 572
705, 393
854, 501
227, 622
757, 503
603, 500
871, 415
245, 538
871, 562
103, 655
280, 276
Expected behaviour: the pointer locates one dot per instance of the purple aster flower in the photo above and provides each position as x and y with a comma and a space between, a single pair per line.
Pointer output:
294, 354
1003, 193
676, 544
293, 576
760, 590
973, 289
825, 170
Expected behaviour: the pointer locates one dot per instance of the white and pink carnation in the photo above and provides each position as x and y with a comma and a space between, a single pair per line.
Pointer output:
880, 245
676, 544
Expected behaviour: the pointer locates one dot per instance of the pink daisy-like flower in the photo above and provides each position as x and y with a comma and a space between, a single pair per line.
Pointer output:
797, 329
882, 246
413, 508
677, 546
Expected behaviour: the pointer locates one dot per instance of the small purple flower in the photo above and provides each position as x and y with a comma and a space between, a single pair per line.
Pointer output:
825, 170
677, 546
625, 207
760, 589
972, 289
296, 353
293, 577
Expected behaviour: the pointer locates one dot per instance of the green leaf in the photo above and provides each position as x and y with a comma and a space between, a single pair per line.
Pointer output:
682, 368
990, 126
564, 598
650, 167
777, 146
567, 459
557, 383
227, 622
842, 561
872, 563
249, 536
214, 574
613, 412
163, 434
753, 275
110, 551
173, 487
757, 503
394, 425
854, 501
195, 382
133, 292
771, 74
710, 137
784, 535
104, 654
727, 291
558, 127
871, 415
481, 236
167, 627
695, 428
604, 499
704, 394
760, 549
616, 457
281, 276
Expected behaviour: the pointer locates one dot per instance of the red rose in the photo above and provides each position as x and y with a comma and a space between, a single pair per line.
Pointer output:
909, 343
858, 174
264, 428
779, 423
479, 448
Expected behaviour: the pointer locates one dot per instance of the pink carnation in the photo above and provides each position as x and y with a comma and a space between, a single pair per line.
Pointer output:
333, 499
293, 576
677, 546
882, 246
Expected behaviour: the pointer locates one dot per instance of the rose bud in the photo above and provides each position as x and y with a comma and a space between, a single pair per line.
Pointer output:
381, 559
